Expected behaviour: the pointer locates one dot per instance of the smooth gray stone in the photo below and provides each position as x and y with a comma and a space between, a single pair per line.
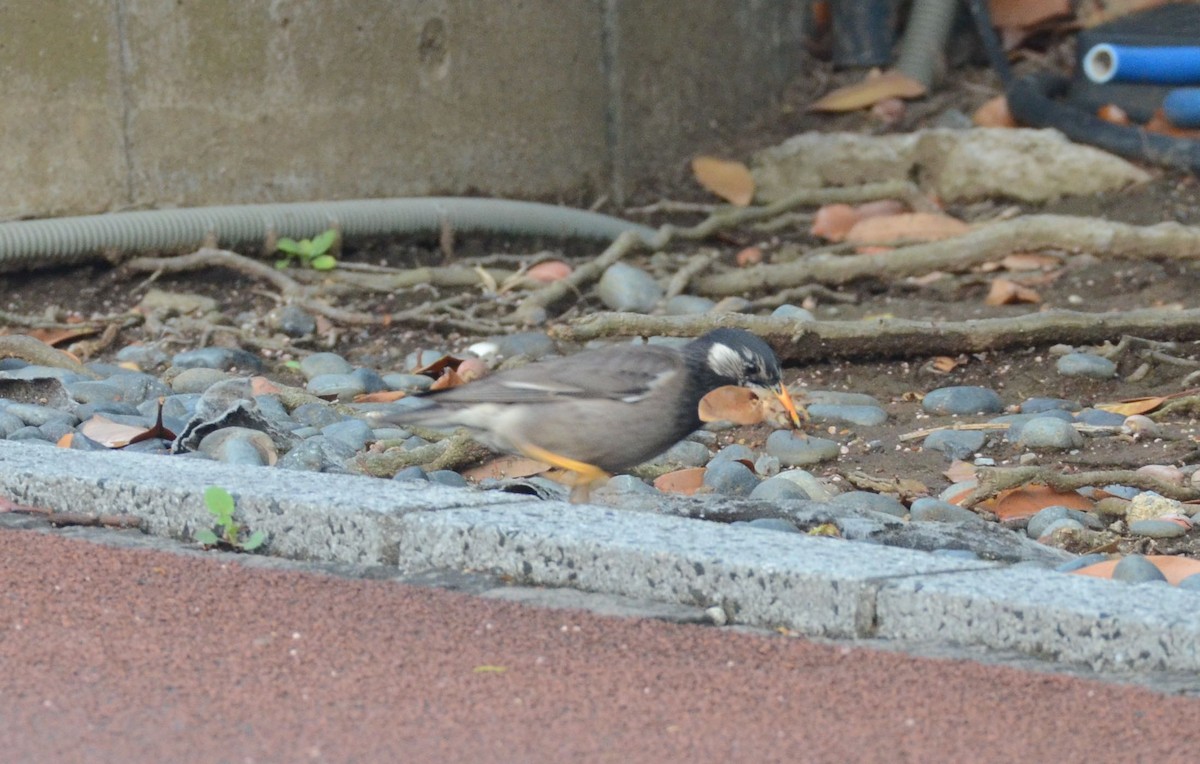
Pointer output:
955, 444
137, 387
234, 445
840, 398
1085, 365
407, 382
370, 379
1039, 405
1082, 561
777, 524
55, 429
1191, 583
863, 416
778, 489
625, 484
199, 379
531, 345
390, 433
306, 431
448, 477
1157, 529
794, 312
1136, 569
317, 454
413, 443
766, 465
876, 502
145, 356
292, 320
808, 482
685, 453
626, 288
316, 414
94, 391
9, 424
935, 510
411, 473
36, 416
1049, 433
733, 452
1100, 418
730, 477
1040, 522
344, 386
794, 450
44, 372
1016, 422
318, 364
226, 359
354, 433
272, 408
181, 406
962, 399
686, 304
1063, 523
28, 432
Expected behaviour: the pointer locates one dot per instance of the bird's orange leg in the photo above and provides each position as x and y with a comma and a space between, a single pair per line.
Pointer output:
584, 475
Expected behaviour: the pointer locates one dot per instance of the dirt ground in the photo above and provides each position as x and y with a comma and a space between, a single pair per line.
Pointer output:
1079, 282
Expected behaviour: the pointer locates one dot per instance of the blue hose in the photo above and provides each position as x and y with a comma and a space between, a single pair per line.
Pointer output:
1159, 65
1182, 107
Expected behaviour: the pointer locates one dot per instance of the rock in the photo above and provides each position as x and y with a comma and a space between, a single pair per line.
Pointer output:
145, 356
1082, 561
1039, 405
411, 473
1085, 365
292, 320
1049, 433
955, 444
408, 382
448, 477
863, 416
316, 414
734, 451
318, 454
1159, 528
778, 489
962, 399
1039, 524
36, 416
686, 304
1141, 426
876, 502
1191, 583
685, 453
324, 363
935, 510
792, 449
812, 486
199, 379
137, 387
957, 165
370, 379
732, 305
239, 445
730, 477
1099, 418
777, 524
1149, 505
840, 398
620, 485
354, 433
343, 386
531, 345
1051, 530
793, 312
626, 288
225, 359
1136, 569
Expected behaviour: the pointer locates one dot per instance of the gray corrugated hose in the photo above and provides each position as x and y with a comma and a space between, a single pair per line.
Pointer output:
925, 38
60, 241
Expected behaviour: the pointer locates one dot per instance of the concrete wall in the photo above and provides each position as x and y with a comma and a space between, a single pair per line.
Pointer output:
113, 104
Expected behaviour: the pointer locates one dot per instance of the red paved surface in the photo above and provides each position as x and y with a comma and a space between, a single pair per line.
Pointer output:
113, 655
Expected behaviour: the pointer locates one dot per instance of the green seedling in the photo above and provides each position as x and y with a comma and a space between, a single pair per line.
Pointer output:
228, 531
313, 253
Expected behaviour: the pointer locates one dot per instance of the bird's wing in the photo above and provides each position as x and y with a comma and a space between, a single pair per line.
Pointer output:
626, 373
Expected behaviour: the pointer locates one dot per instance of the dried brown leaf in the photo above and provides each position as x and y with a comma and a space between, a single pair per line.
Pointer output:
685, 481
906, 227
728, 179
1005, 292
994, 113
870, 91
739, 405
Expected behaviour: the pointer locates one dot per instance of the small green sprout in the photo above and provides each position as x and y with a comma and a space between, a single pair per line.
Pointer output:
229, 531
313, 252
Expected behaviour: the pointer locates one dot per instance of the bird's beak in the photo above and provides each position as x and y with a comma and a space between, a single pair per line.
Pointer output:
786, 399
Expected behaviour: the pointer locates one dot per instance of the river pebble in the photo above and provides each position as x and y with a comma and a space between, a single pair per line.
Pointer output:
1191, 583
777, 524
342, 386
962, 399
863, 416
1048, 433
778, 489
627, 288
1039, 405
935, 510
1099, 418
793, 312
730, 477
225, 359
1159, 528
792, 449
292, 320
1082, 561
876, 502
1085, 365
686, 304
1039, 524
955, 444
1136, 569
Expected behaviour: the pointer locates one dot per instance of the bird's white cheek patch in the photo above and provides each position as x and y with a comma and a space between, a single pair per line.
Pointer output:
725, 360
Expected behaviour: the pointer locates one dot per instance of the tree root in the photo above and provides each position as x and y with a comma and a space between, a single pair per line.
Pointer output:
1103, 238
799, 341
993, 480
450, 453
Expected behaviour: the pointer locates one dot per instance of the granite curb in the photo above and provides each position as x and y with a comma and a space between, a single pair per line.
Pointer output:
815, 586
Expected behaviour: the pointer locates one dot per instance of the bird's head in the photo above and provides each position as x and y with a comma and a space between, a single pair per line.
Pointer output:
740, 358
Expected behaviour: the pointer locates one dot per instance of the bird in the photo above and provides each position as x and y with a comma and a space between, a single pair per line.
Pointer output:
603, 411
